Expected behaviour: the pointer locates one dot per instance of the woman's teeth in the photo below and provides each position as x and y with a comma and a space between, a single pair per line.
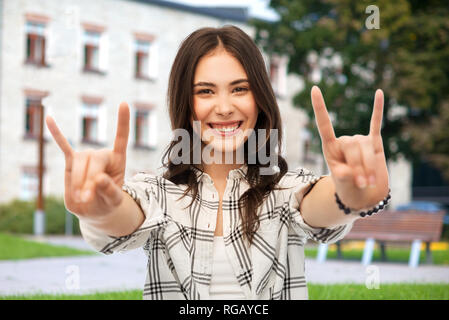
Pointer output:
225, 128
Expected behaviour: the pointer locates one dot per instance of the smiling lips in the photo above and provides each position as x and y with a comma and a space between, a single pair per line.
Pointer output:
225, 128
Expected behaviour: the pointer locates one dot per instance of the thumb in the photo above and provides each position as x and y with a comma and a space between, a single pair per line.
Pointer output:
108, 190
342, 173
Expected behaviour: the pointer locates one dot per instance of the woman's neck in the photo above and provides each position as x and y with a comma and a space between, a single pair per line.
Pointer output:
219, 171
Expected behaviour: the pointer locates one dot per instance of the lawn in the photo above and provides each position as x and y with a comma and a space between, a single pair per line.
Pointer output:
13, 248
16, 248
394, 254
401, 291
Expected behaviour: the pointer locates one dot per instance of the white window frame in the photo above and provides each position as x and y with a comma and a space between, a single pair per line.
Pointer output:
101, 41
40, 29
279, 83
99, 112
29, 184
152, 124
153, 62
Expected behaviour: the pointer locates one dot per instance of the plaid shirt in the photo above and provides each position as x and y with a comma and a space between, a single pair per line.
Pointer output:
179, 241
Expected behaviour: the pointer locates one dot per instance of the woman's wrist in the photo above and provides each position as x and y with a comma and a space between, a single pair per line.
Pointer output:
366, 211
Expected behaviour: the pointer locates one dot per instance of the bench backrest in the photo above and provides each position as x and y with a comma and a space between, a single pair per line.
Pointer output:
399, 226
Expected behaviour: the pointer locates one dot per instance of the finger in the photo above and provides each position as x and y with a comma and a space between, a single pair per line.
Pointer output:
121, 138
376, 118
322, 118
369, 161
106, 188
97, 164
353, 157
62, 142
64, 145
80, 164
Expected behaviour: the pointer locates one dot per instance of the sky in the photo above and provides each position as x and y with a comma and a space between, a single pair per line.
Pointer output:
257, 8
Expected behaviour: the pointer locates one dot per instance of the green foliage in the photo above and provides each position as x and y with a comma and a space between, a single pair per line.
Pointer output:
17, 217
407, 57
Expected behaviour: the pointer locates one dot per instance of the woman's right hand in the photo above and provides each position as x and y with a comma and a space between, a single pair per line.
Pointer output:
93, 178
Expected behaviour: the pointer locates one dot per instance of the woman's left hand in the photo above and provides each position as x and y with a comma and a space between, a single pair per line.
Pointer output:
357, 163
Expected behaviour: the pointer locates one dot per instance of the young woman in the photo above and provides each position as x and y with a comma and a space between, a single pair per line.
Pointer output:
222, 229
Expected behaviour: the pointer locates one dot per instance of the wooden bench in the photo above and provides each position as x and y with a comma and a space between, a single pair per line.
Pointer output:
393, 226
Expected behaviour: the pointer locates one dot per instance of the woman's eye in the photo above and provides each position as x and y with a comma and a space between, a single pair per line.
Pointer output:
241, 89
204, 91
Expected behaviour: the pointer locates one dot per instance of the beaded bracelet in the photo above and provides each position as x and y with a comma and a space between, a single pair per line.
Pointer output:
375, 209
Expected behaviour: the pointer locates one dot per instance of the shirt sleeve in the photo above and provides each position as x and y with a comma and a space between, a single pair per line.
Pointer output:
300, 182
140, 188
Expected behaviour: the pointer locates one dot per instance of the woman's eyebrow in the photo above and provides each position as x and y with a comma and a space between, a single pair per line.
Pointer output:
210, 84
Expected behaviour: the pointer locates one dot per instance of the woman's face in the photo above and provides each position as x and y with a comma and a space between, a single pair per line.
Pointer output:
223, 102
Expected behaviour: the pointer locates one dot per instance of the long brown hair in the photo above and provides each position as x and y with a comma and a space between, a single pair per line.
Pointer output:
180, 105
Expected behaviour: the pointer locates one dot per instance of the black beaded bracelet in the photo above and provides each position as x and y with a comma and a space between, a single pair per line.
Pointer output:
375, 209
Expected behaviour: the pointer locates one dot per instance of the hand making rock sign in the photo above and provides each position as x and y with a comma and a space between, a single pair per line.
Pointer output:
357, 163
93, 178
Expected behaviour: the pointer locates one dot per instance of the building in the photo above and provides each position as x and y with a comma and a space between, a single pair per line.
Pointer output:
80, 59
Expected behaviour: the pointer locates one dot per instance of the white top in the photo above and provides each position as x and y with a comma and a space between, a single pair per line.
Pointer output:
223, 284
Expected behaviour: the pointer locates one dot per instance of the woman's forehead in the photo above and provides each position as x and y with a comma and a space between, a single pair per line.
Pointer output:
219, 67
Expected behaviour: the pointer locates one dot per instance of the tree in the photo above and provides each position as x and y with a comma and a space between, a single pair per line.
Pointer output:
407, 57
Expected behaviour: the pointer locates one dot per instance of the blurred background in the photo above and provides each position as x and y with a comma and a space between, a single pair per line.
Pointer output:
76, 60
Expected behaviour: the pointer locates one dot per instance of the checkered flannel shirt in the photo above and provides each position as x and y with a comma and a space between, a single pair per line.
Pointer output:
178, 239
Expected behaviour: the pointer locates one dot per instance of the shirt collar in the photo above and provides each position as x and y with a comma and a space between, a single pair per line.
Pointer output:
233, 174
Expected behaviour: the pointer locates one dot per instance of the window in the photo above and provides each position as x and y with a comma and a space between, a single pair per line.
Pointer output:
29, 184
145, 128
33, 101
32, 117
142, 56
92, 51
89, 122
278, 75
146, 56
92, 117
274, 70
142, 126
35, 43
305, 149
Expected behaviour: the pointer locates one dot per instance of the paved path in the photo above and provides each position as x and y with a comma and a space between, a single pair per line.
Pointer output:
122, 271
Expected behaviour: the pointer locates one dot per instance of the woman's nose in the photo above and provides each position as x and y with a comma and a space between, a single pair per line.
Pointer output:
224, 106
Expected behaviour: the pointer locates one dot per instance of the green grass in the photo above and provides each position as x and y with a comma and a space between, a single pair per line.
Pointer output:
440, 257
401, 291
16, 248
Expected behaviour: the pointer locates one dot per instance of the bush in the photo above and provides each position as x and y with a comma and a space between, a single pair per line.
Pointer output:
16, 216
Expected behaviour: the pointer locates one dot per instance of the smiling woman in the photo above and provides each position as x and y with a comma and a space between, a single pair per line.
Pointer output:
230, 97
224, 103
215, 230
